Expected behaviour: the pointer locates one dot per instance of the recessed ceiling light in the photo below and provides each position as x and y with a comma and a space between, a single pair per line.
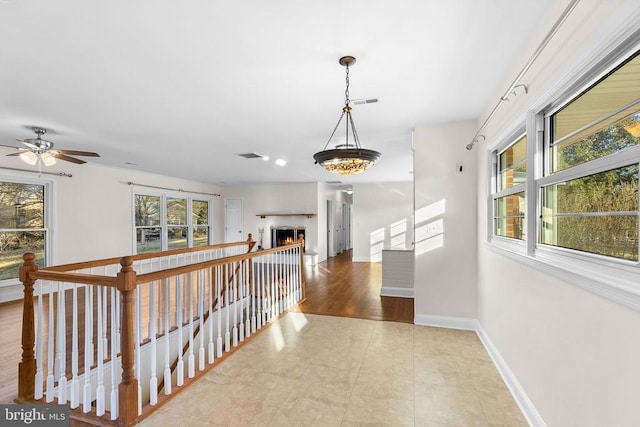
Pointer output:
265, 158
281, 162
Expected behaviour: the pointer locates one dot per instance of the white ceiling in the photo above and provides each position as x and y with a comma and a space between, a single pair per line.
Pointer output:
179, 87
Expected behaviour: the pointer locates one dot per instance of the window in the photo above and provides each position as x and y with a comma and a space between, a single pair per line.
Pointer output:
163, 222
509, 198
23, 225
592, 207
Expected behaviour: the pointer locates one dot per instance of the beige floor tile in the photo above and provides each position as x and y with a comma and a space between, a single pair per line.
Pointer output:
325, 371
443, 370
500, 408
308, 411
452, 405
370, 416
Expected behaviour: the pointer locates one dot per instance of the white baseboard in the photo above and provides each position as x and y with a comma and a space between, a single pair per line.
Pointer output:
359, 259
389, 291
525, 404
529, 411
449, 322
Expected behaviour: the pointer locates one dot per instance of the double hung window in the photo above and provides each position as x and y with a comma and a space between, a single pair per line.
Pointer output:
164, 222
24, 225
576, 194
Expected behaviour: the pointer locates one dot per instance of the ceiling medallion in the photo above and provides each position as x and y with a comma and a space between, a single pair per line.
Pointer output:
348, 158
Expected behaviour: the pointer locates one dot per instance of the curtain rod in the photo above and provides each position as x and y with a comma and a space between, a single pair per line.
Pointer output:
67, 175
516, 82
172, 189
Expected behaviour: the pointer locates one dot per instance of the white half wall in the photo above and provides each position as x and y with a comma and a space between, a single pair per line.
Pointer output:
445, 221
383, 219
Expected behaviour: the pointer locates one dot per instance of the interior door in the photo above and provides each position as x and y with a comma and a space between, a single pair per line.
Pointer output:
233, 220
331, 248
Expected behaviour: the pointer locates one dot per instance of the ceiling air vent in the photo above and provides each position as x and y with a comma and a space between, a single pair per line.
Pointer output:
250, 155
334, 182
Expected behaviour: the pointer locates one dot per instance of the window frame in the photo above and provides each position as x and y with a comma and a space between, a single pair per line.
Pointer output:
497, 193
613, 278
48, 218
164, 225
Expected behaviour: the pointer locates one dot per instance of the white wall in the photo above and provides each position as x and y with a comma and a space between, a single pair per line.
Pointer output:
383, 217
278, 198
445, 219
575, 354
93, 210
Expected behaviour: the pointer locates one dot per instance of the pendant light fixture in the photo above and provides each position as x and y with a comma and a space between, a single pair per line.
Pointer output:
348, 158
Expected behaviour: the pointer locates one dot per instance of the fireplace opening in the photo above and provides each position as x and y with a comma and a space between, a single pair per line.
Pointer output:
281, 236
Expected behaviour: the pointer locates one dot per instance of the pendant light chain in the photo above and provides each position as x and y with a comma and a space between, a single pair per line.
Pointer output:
346, 91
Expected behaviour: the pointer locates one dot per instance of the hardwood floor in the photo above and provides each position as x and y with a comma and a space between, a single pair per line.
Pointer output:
336, 287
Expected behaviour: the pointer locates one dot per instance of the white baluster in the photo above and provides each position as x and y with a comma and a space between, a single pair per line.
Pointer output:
153, 381
210, 348
39, 377
61, 348
254, 320
191, 365
227, 297
117, 321
88, 349
75, 384
167, 349
201, 299
180, 365
105, 341
218, 276
100, 392
90, 326
241, 280
247, 297
137, 335
50, 346
234, 301
114, 359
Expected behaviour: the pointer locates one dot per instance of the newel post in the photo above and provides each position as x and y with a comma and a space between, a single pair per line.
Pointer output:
128, 388
252, 243
27, 367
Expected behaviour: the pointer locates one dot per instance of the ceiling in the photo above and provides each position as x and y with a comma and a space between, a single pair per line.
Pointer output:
180, 88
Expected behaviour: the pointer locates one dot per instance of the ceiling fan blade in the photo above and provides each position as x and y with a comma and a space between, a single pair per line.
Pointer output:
11, 146
28, 144
14, 154
78, 153
58, 155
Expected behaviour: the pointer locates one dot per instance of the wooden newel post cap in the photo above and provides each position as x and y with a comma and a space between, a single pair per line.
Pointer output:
126, 262
28, 265
250, 239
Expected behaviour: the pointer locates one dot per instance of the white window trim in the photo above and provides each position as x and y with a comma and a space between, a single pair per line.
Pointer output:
615, 279
49, 211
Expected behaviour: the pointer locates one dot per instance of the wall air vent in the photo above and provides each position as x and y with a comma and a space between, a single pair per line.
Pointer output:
334, 182
250, 155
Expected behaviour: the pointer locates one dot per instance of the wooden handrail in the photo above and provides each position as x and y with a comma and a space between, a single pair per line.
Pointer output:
156, 275
112, 261
92, 279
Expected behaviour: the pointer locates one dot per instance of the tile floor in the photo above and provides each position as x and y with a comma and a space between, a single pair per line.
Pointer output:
335, 371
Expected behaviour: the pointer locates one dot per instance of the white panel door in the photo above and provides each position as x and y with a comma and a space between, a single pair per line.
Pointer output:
331, 249
233, 220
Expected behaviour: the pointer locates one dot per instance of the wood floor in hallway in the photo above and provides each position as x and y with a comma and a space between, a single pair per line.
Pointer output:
339, 287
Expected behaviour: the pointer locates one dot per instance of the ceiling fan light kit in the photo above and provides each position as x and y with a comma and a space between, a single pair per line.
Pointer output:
348, 158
